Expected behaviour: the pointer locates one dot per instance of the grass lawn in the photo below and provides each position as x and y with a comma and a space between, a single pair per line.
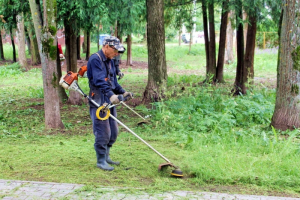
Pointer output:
221, 143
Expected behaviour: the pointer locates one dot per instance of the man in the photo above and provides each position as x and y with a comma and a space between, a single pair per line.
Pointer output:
117, 62
104, 88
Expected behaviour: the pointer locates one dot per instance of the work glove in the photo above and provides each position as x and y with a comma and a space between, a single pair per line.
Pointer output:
115, 99
127, 96
121, 75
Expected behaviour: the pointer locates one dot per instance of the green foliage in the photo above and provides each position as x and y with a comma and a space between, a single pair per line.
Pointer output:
10, 70
271, 39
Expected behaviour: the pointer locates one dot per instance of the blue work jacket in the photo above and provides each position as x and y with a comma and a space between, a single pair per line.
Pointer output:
103, 83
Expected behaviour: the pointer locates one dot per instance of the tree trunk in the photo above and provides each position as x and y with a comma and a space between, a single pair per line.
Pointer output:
250, 49
206, 36
88, 45
1, 47
211, 75
27, 40
239, 85
13, 46
157, 67
84, 42
179, 38
48, 57
116, 29
220, 64
229, 40
287, 107
35, 56
21, 42
245, 26
119, 33
191, 40
71, 57
78, 47
129, 56
61, 91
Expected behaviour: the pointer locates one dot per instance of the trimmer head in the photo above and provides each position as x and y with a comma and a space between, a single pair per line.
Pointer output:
176, 172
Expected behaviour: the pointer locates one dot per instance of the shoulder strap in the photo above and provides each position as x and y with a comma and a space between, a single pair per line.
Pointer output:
107, 69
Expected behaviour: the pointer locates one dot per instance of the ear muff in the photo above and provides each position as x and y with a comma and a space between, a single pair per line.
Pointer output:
98, 114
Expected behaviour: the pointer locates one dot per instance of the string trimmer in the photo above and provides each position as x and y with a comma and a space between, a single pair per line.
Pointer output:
69, 82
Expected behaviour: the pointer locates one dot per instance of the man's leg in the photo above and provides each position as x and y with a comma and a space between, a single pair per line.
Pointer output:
114, 134
102, 134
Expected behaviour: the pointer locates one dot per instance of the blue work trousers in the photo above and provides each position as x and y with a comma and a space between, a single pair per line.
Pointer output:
106, 132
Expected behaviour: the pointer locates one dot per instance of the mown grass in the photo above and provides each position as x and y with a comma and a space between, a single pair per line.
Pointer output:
216, 139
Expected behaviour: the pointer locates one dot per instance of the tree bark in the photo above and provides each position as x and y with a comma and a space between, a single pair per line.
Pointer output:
157, 68
35, 56
61, 91
229, 40
13, 46
287, 107
221, 55
71, 57
48, 57
245, 26
119, 33
179, 38
88, 45
21, 41
206, 36
78, 47
250, 49
211, 75
129, 54
191, 41
1, 47
239, 85
84, 42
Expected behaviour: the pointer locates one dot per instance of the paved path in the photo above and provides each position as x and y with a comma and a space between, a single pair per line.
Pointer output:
30, 190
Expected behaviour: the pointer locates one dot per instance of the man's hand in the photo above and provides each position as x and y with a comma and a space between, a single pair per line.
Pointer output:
128, 95
121, 75
115, 99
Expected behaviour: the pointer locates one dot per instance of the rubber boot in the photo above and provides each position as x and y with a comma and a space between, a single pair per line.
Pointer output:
102, 164
108, 160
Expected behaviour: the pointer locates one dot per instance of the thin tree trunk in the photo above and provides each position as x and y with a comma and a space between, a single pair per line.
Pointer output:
28, 44
71, 57
220, 64
206, 36
61, 91
287, 107
245, 25
88, 45
1, 47
85, 42
48, 57
179, 38
35, 56
21, 41
13, 46
157, 68
239, 85
191, 40
119, 33
250, 49
78, 47
211, 76
229, 40
129, 56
